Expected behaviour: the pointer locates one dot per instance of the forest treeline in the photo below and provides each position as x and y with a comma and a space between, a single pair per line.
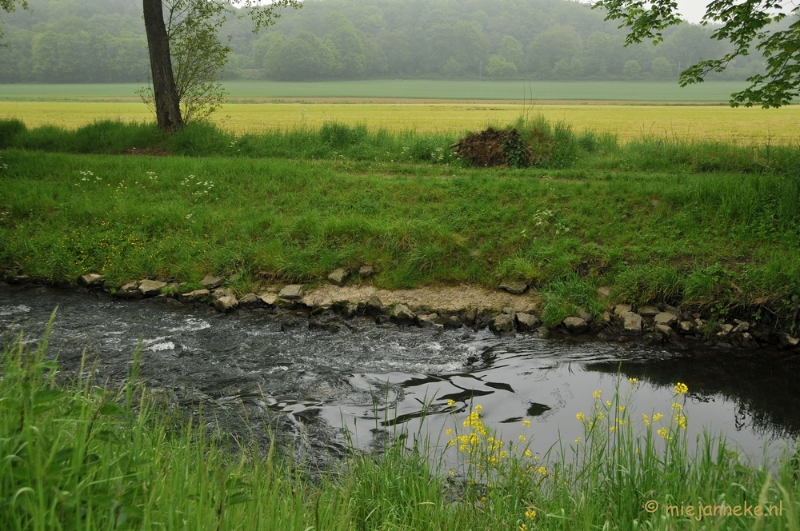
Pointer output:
96, 41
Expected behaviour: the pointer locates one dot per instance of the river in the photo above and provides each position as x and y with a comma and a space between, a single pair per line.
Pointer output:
380, 379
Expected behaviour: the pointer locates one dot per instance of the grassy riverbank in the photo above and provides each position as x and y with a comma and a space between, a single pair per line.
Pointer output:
706, 225
78, 456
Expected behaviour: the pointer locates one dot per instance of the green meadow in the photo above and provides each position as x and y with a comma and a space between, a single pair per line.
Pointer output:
700, 224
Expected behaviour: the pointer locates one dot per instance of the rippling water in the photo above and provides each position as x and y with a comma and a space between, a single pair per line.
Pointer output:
375, 379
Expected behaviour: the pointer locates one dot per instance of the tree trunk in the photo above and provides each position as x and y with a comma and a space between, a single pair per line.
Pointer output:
165, 93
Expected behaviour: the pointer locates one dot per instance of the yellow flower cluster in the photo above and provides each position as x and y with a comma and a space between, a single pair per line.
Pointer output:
681, 388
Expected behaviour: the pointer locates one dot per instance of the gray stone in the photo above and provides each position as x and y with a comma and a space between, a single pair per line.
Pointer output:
514, 287
666, 318
452, 322
543, 332
586, 316
502, 324
374, 305
402, 314
664, 330
150, 288
223, 292
128, 291
196, 295
292, 292
604, 292
741, 327
686, 327
576, 325
18, 279
621, 309
649, 311
350, 309
250, 299
268, 298
226, 304
427, 320
211, 282
724, 330
470, 316
510, 311
786, 342
527, 322
748, 341
366, 271
92, 280
631, 324
606, 317
339, 276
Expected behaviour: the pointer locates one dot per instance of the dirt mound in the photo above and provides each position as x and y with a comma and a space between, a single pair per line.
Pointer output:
494, 148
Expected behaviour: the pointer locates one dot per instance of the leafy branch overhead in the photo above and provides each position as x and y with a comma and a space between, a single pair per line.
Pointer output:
744, 25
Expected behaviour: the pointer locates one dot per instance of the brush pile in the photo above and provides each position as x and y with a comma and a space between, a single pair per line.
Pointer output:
494, 148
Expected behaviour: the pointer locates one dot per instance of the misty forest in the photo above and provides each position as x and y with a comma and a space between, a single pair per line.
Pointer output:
98, 41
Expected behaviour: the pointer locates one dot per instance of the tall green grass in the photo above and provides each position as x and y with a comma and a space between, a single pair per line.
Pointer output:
554, 145
77, 456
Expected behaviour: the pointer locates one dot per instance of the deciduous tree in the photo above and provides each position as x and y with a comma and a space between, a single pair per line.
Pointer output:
744, 24
166, 96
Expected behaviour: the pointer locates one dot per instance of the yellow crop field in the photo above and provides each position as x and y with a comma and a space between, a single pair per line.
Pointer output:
628, 122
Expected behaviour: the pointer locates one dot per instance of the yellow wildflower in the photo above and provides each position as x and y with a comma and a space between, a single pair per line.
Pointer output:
597, 393
478, 407
677, 406
657, 417
542, 470
608, 403
580, 416
448, 431
645, 419
601, 416
621, 408
526, 422
681, 388
451, 402
523, 527
633, 380
664, 433
522, 438
530, 514
578, 440
528, 453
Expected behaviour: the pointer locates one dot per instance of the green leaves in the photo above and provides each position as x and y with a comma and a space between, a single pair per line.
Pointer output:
744, 24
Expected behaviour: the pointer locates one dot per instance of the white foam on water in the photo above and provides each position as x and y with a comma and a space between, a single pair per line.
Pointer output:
11, 310
192, 325
169, 345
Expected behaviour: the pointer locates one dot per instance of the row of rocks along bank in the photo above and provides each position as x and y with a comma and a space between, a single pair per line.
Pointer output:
510, 309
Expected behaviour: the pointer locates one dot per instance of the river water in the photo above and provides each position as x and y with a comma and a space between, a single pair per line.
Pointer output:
378, 379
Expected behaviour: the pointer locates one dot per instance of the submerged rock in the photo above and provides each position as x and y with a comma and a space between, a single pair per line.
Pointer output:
374, 305
402, 314
502, 324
